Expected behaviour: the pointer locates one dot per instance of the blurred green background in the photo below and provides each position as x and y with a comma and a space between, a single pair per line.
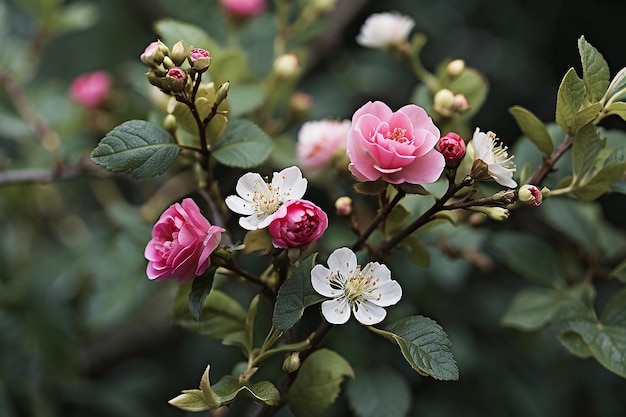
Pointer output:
82, 330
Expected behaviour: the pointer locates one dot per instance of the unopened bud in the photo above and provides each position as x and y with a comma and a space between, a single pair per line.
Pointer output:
545, 192
178, 54
343, 206
154, 78
176, 79
200, 59
494, 213
168, 63
452, 147
461, 103
291, 362
530, 195
170, 124
322, 6
443, 102
455, 68
300, 104
222, 92
154, 54
287, 66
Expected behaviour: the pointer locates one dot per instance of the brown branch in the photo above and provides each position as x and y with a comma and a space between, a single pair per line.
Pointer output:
547, 165
60, 172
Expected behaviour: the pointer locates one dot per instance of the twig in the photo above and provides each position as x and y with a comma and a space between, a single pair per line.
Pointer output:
60, 172
547, 165
382, 215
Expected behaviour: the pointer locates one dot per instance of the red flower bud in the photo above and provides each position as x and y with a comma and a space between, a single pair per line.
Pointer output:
452, 147
176, 79
199, 59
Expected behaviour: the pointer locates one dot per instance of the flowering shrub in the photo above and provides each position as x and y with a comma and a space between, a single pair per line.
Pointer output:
314, 246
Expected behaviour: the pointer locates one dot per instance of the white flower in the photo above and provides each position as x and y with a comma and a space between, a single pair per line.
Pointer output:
382, 30
319, 141
491, 150
259, 200
363, 292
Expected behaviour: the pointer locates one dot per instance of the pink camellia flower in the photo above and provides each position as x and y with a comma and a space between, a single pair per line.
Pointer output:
297, 223
244, 8
90, 89
452, 147
397, 147
318, 142
182, 241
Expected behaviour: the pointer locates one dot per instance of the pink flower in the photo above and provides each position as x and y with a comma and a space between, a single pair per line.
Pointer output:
452, 147
200, 59
182, 240
397, 147
297, 223
90, 89
318, 142
244, 8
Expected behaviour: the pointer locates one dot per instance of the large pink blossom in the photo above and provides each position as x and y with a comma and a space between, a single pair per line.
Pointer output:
297, 223
318, 142
90, 89
244, 8
397, 147
182, 242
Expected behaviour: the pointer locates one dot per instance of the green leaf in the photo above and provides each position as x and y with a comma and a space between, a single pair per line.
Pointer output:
318, 383
586, 147
619, 271
601, 182
295, 295
221, 314
229, 64
245, 98
172, 31
73, 17
533, 128
137, 146
417, 250
569, 100
595, 70
200, 289
617, 108
379, 392
191, 400
370, 187
425, 346
575, 219
413, 188
584, 335
531, 309
243, 145
396, 219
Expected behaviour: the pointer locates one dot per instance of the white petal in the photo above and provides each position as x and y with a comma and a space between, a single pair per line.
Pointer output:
368, 313
342, 260
321, 283
248, 184
239, 205
290, 183
336, 311
264, 220
502, 175
386, 294
379, 271
250, 222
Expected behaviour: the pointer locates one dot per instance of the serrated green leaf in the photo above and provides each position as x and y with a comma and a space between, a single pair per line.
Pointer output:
569, 100
221, 314
318, 383
243, 145
200, 289
172, 31
245, 98
417, 250
533, 128
379, 392
137, 146
295, 295
601, 182
425, 346
595, 70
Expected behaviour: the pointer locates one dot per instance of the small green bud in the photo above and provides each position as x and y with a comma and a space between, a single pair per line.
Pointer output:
291, 362
455, 68
494, 213
222, 92
443, 102
178, 54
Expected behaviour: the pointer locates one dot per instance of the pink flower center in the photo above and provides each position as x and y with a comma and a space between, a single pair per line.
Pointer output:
397, 135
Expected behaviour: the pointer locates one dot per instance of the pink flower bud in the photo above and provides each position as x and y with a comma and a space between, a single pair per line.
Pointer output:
154, 54
343, 206
90, 89
452, 147
297, 223
530, 195
199, 59
244, 9
182, 242
176, 79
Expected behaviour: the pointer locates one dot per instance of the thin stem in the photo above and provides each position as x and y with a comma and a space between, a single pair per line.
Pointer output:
380, 217
547, 165
60, 172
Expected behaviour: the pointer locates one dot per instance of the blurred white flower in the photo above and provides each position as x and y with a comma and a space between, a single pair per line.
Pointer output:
260, 200
382, 30
318, 142
493, 152
363, 292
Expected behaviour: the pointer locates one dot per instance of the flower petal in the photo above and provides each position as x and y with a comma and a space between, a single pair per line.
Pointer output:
344, 261
290, 183
239, 205
368, 313
336, 311
320, 280
387, 294
248, 184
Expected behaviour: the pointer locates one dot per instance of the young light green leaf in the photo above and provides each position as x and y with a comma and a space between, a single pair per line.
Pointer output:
318, 383
221, 314
295, 295
144, 149
617, 108
228, 388
595, 70
533, 128
379, 392
586, 115
243, 145
569, 100
171, 31
586, 147
601, 182
191, 400
425, 346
